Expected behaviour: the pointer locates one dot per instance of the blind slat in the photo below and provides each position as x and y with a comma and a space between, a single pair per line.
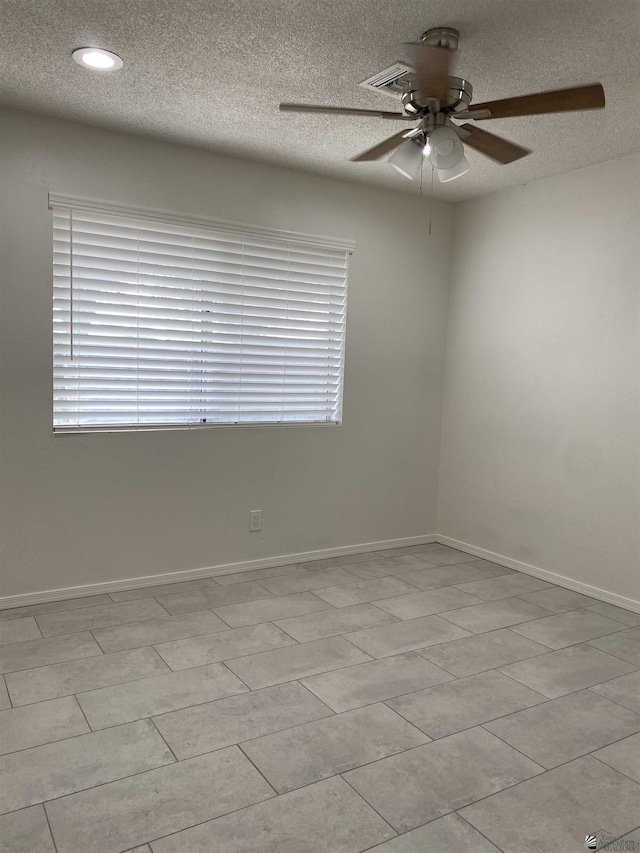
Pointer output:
164, 324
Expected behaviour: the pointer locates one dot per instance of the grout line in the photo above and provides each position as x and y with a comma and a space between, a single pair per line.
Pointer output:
231, 672
153, 723
613, 654
355, 790
46, 817
475, 828
590, 607
60, 662
331, 713
6, 687
615, 701
210, 610
515, 748
91, 729
86, 734
610, 766
224, 660
249, 759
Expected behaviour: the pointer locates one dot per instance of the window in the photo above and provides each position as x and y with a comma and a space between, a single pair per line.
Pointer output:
166, 322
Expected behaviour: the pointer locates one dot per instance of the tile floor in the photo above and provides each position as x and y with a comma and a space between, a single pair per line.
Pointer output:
410, 700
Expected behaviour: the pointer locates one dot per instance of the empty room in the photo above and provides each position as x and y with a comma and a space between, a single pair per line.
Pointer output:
319, 426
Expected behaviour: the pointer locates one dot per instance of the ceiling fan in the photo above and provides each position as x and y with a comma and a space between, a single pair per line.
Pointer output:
436, 101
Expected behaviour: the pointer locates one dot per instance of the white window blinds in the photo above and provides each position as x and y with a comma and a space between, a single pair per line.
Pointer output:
159, 323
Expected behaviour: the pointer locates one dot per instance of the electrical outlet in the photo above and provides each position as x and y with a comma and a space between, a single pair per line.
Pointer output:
255, 520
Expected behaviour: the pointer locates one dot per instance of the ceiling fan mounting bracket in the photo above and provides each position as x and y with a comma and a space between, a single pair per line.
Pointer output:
441, 37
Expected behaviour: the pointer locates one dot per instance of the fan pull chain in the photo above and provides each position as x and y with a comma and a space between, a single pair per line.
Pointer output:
431, 199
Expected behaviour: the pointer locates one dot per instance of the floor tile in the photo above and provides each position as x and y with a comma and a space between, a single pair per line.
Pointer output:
367, 683
623, 756
17, 630
482, 651
444, 576
405, 636
496, 614
269, 609
132, 811
62, 679
448, 556
209, 597
624, 690
387, 566
44, 722
305, 580
256, 574
159, 630
5, 702
205, 728
123, 703
324, 748
448, 834
54, 606
449, 708
411, 550
555, 811
567, 670
494, 569
625, 645
335, 621
197, 651
566, 728
33, 653
567, 629
363, 591
627, 617
426, 603
274, 667
328, 817
558, 600
429, 781
69, 621
336, 562
56, 769
26, 831
506, 586
161, 589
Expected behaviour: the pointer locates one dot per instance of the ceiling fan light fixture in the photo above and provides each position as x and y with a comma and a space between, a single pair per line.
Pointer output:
446, 149
407, 159
97, 59
445, 175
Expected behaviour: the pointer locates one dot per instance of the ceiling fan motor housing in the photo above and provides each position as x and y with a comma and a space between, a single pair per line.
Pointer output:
419, 103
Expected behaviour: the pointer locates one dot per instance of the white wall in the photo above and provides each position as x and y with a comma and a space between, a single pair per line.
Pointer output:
104, 507
541, 434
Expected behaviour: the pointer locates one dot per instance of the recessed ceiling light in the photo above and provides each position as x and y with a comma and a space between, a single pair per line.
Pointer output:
97, 59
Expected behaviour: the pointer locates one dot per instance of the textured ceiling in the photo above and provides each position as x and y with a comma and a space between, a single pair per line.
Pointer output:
211, 74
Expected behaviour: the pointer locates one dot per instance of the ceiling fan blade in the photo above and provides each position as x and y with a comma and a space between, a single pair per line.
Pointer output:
343, 111
381, 148
432, 67
495, 147
559, 101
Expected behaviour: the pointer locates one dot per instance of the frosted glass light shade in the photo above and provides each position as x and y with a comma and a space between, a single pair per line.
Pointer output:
446, 149
407, 159
445, 175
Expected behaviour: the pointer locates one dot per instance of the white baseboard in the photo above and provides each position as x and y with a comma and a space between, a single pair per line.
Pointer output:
543, 574
206, 572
